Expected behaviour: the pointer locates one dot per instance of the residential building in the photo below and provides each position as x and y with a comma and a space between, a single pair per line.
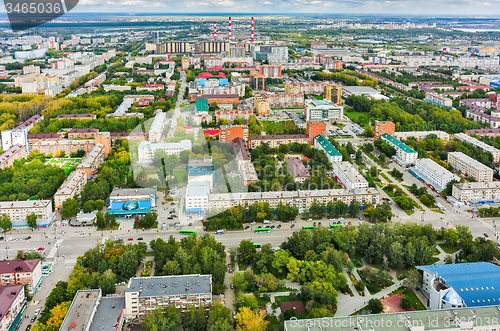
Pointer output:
92, 160
460, 285
257, 81
477, 143
173, 47
21, 272
82, 310
405, 155
98, 80
314, 129
8, 157
244, 163
382, 127
74, 184
302, 199
84, 133
433, 174
145, 294
261, 104
297, 169
146, 149
277, 140
470, 167
19, 210
15, 137
30, 122
227, 133
438, 99
319, 110
421, 320
484, 132
477, 192
156, 129
133, 135
197, 196
420, 134
229, 98
270, 71
12, 307
68, 146
332, 154
348, 176
283, 100
481, 117
333, 93
243, 111
77, 116
211, 46
38, 137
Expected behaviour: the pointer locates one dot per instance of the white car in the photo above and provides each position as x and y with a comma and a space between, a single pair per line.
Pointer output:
37, 312
219, 232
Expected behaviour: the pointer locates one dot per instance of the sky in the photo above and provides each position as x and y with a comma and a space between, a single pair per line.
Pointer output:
376, 7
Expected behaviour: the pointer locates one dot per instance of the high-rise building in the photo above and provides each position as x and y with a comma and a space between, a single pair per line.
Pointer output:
257, 81
213, 46
383, 127
313, 129
156, 36
227, 133
173, 47
261, 104
271, 71
333, 93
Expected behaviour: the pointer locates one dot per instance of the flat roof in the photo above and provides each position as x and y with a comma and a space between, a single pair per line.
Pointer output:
198, 189
467, 159
181, 144
158, 122
478, 186
108, 313
476, 142
81, 310
398, 143
279, 136
436, 168
477, 283
131, 192
24, 204
327, 146
360, 90
170, 285
91, 156
69, 185
351, 173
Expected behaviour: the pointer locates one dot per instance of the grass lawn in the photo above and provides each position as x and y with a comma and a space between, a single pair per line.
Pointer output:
432, 261
357, 260
179, 174
436, 251
385, 177
391, 194
318, 97
372, 288
340, 125
271, 127
355, 116
347, 137
376, 160
261, 302
242, 266
437, 210
283, 298
415, 302
449, 250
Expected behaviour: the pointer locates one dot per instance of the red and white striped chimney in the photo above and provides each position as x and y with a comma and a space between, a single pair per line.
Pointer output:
229, 27
215, 29
252, 28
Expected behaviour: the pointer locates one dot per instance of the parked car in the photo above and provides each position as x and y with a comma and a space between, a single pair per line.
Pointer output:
272, 227
292, 226
28, 327
33, 319
37, 311
314, 224
319, 223
1, 238
219, 232
279, 226
231, 286
486, 235
247, 227
360, 218
259, 227
119, 239
28, 237
130, 239
170, 218
310, 220
140, 238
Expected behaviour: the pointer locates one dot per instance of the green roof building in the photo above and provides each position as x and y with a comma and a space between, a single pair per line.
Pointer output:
405, 155
333, 155
201, 105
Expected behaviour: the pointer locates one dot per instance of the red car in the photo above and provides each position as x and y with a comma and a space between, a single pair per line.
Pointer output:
130, 239
229, 265
41, 248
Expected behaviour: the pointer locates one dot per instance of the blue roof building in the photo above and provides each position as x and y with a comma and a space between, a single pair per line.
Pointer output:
461, 285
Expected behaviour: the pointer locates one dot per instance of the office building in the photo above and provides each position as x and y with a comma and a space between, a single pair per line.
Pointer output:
196, 198
145, 294
420, 134
12, 307
74, 184
470, 167
19, 210
477, 192
382, 127
146, 149
277, 140
319, 110
21, 272
405, 155
461, 285
15, 137
257, 81
155, 35
332, 154
302, 199
129, 202
333, 93
477, 143
156, 129
348, 176
433, 174
92, 160
227, 133
314, 129
201, 170
8, 157
297, 169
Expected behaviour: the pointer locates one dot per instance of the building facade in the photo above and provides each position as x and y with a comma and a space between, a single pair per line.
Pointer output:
348, 176
479, 192
319, 110
21, 272
433, 174
146, 149
227, 133
333, 93
19, 210
13, 304
277, 140
314, 129
332, 154
382, 127
405, 155
8, 157
92, 160
470, 167
74, 184
475, 142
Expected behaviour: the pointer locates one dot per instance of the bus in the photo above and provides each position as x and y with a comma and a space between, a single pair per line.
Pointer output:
333, 226
187, 232
307, 227
266, 229
257, 246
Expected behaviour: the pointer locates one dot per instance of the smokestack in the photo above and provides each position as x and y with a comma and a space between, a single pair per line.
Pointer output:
215, 29
229, 27
252, 28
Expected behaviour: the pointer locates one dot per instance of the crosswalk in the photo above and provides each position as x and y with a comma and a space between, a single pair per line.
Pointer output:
53, 251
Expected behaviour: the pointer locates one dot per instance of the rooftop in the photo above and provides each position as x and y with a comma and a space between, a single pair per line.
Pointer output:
10, 152
108, 313
82, 309
201, 105
297, 168
279, 136
132, 192
158, 122
11, 266
198, 189
475, 142
477, 283
8, 295
76, 116
478, 186
470, 161
327, 146
24, 204
360, 90
89, 158
240, 149
71, 182
350, 172
170, 285
437, 169
398, 143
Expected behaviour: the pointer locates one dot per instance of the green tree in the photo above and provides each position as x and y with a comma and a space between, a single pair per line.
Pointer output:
168, 319
375, 306
405, 302
218, 317
246, 300
148, 220
5, 222
31, 220
355, 206
247, 251
70, 208
88, 206
194, 319
100, 222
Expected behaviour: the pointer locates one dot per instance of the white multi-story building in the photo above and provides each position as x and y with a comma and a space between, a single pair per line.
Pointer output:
433, 174
332, 154
21, 272
156, 129
476, 191
404, 154
19, 210
146, 149
475, 142
421, 134
15, 137
349, 176
470, 167
319, 110
197, 197
74, 184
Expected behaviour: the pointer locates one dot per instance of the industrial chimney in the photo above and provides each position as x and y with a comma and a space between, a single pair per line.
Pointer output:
252, 28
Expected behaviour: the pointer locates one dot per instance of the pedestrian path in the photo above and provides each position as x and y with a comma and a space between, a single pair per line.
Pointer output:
53, 250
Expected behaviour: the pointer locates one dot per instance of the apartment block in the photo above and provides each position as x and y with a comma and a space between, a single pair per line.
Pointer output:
332, 154
297, 169
13, 304
314, 129
348, 176
146, 294
19, 210
283, 100
230, 98
15, 137
92, 160
68, 146
21, 272
421, 134
84, 133
271, 71
302, 199
261, 104
76, 116
484, 132
74, 184
244, 163
277, 140
243, 111
257, 81
319, 110
146, 149
8, 157
405, 155
478, 192
227, 133
470, 167
333, 93
156, 129
477, 143
433, 174
481, 117
382, 127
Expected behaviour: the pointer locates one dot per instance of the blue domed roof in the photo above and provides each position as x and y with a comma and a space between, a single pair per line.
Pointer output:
131, 205
452, 297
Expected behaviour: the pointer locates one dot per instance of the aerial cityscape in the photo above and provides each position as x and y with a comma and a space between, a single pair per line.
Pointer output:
229, 165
